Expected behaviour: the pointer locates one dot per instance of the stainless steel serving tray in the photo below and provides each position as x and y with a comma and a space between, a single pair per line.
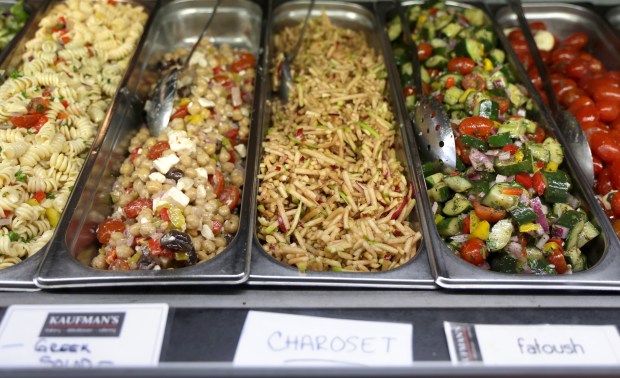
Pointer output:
21, 276
265, 269
176, 24
453, 272
613, 16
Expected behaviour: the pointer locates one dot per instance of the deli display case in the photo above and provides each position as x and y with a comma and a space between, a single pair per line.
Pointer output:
321, 204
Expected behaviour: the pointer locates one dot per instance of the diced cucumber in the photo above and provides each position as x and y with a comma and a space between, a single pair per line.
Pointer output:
517, 98
588, 233
499, 140
475, 16
576, 259
470, 48
474, 142
449, 227
456, 205
488, 109
523, 214
496, 199
439, 192
556, 152
575, 221
427, 31
436, 61
410, 102
511, 167
457, 183
451, 30
557, 186
534, 253
497, 56
443, 20
434, 179
475, 98
438, 43
514, 126
395, 28
426, 78
487, 37
452, 95
500, 235
432, 167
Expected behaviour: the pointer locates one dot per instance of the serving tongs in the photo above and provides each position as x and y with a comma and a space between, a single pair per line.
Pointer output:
433, 130
570, 127
159, 108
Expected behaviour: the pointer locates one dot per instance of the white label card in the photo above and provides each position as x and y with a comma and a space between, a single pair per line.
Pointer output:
540, 345
83, 335
269, 339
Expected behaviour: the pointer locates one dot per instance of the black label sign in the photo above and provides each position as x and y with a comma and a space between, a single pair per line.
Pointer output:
465, 342
89, 324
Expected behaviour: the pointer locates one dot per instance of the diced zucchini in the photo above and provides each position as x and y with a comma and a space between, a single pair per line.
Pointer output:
576, 259
449, 227
457, 183
497, 56
474, 142
395, 28
512, 167
434, 179
439, 192
496, 80
496, 199
556, 153
557, 186
401, 56
406, 69
503, 262
575, 221
470, 48
432, 167
475, 16
517, 98
560, 208
523, 214
451, 30
487, 108
452, 95
514, 126
438, 43
456, 205
500, 235
539, 152
499, 140
588, 233
479, 186
436, 61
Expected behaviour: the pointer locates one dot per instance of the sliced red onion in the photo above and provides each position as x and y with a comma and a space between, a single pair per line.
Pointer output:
460, 238
523, 138
524, 199
515, 249
542, 241
501, 119
542, 220
129, 238
573, 201
479, 161
537, 206
559, 231
473, 176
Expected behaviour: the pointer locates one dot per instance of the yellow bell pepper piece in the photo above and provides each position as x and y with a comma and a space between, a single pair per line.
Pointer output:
32, 202
53, 216
551, 167
438, 218
481, 231
488, 65
550, 247
184, 101
465, 94
529, 227
519, 155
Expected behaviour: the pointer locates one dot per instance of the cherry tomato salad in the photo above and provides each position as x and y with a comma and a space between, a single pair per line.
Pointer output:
591, 93
508, 205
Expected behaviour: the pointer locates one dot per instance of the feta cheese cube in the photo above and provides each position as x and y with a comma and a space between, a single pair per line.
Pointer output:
207, 233
179, 142
172, 197
201, 192
240, 148
185, 183
202, 173
158, 177
164, 163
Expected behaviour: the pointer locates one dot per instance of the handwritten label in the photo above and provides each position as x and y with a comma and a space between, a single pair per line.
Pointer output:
82, 335
271, 339
542, 344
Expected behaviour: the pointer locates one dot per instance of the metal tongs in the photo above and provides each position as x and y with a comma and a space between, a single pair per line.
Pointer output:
568, 124
433, 128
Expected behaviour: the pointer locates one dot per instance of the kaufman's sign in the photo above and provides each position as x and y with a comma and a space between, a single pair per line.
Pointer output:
83, 324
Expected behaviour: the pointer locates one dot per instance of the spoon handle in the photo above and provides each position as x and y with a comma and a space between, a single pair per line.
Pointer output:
293, 53
204, 30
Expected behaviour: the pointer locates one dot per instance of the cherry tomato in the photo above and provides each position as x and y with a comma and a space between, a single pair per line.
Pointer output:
217, 182
473, 81
608, 110
26, 120
603, 181
243, 62
516, 35
598, 165
107, 227
616, 224
134, 207
520, 46
612, 76
569, 96
526, 60
474, 251
425, 50
489, 214
580, 102
587, 115
564, 86
230, 197
477, 126
217, 226
462, 151
462, 65
157, 150
408, 91
614, 174
502, 103
604, 146
537, 25
163, 214
557, 259
535, 77
578, 68
539, 135
545, 55
563, 55
606, 92
576, 41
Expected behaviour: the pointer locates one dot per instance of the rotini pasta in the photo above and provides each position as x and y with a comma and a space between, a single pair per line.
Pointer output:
50, 109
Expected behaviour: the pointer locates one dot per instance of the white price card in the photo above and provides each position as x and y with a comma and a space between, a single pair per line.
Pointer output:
539, 345
269, 339
82, 335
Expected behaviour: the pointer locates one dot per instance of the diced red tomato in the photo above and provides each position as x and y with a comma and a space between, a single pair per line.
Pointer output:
107, 227
474, 251
243, 62
39, 196
230, 197
477, 126
158, 149
489, 214
180, 112
163, 214
134, 207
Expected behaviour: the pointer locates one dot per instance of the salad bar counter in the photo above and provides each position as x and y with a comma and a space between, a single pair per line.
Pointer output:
326, 201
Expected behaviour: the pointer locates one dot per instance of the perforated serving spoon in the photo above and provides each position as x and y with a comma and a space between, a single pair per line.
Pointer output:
433, 130
286, 78
572, 130
159, 108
